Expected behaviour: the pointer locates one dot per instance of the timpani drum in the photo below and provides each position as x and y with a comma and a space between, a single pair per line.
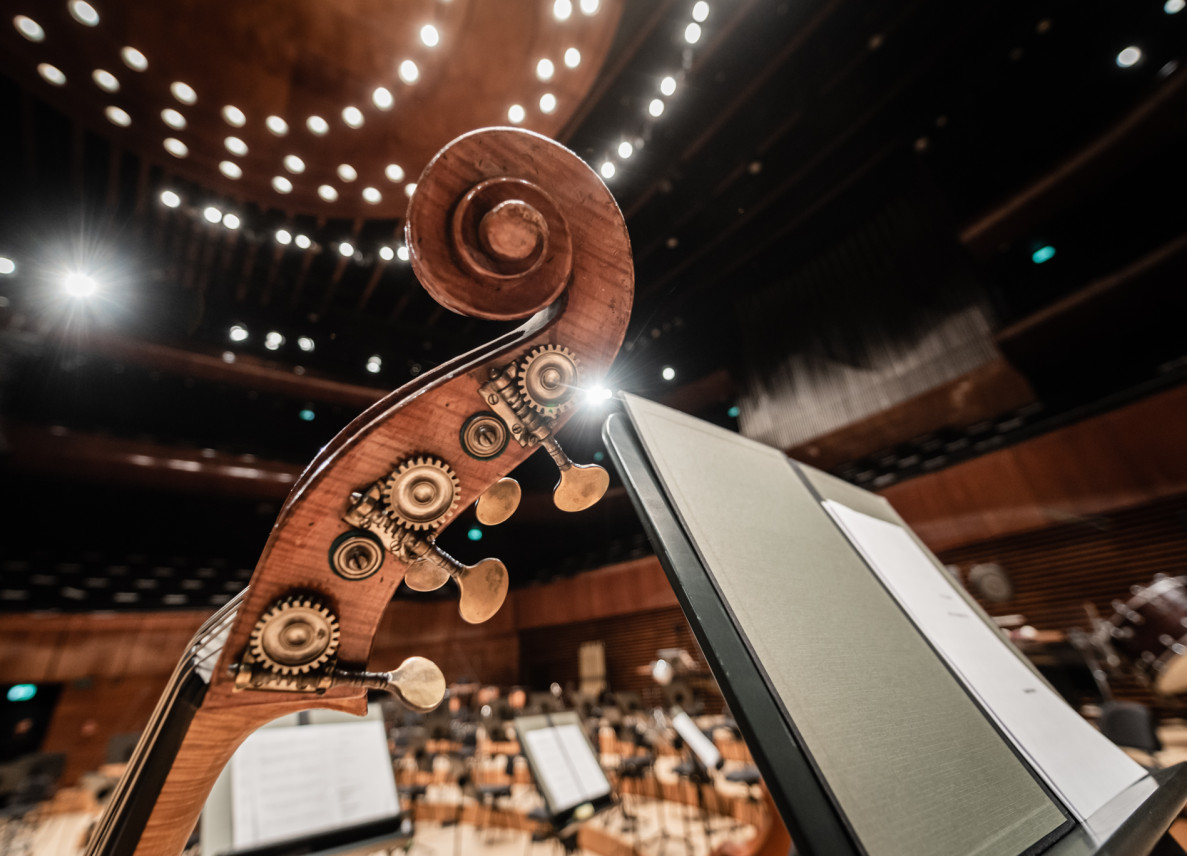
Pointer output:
1150, 629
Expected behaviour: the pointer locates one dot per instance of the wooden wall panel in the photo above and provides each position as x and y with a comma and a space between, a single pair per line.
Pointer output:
1120, 459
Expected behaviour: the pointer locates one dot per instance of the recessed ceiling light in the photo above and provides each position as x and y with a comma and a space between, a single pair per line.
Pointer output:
547, 102
589, 7
545, 69
656, 107
386, 253
516, 113
305, 344
668, 85
303, 242
374, 364
353, 117
273, 340
402, 253
176, 147
230, 169
116, 116
345, 249
700, 11
8, 266
562, 9
572, 57
105, 80
1129, 57
394, 172
83, 12
51, 73
234, 116
346, 172
80, 285
607, 169
183, 92
231, 221
276, 125
28, 28
317, 125
238, 333
327, 193
1173, 7
692, 33
372, 195
409, 189
382, 98
173, 119
409, 73
212, 214
668, 373
235, 146
134, 59
625, 150
429, 35
170, 199
283, 237
281, 184
294, 164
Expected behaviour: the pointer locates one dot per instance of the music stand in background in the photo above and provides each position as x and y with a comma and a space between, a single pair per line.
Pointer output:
566, 771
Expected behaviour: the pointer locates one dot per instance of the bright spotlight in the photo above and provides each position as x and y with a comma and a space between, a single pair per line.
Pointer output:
402, 253
212, 214
283, 236
7, 266
170, 199
598, 394
668, 373
386, 253
80, 285
273, 340
374, 364
305, 344
346, 249
238, 333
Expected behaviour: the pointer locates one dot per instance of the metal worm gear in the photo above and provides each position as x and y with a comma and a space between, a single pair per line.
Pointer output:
548, 378
421, 492
297, 634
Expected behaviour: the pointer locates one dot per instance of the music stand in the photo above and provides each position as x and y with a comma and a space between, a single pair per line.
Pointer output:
565, 769
851, 729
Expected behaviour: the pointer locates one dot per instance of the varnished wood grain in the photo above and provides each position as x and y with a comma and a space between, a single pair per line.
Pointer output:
424, 418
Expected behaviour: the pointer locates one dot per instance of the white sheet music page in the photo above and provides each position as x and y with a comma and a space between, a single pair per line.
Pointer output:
568, 770
288, 782
1078, 763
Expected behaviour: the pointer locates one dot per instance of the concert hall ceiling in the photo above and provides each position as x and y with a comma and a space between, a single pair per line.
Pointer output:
841, 213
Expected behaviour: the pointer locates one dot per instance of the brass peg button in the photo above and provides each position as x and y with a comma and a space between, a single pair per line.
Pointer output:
498, 502
580, 487
483, 589
424, 575
417, 682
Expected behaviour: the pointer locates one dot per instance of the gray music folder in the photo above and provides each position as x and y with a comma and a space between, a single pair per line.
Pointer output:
872, 740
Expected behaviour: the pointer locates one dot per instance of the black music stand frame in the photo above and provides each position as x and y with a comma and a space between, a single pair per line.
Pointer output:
1126, 825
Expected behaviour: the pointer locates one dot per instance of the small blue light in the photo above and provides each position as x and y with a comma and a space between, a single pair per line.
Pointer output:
599, 456
733, 412
1043, 254
22, 692
306, 415
475, 534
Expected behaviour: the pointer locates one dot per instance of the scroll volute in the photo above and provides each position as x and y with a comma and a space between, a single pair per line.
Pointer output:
504, 224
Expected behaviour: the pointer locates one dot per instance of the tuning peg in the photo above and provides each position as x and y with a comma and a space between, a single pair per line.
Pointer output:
581, 485
417, 682
483, 586
498, 502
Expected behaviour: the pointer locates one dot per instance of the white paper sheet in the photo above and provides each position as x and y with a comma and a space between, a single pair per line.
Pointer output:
701, 745
287, 782
1079, 763
568, 771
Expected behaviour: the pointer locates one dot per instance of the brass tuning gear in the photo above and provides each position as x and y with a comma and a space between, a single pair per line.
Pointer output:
524, 394
403, 510
294, 647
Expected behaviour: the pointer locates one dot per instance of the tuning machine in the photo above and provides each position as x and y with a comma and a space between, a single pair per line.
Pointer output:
526, 395
294, 648
403, 511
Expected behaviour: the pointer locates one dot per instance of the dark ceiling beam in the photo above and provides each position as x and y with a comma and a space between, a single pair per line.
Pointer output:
245, 371
1154, 123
